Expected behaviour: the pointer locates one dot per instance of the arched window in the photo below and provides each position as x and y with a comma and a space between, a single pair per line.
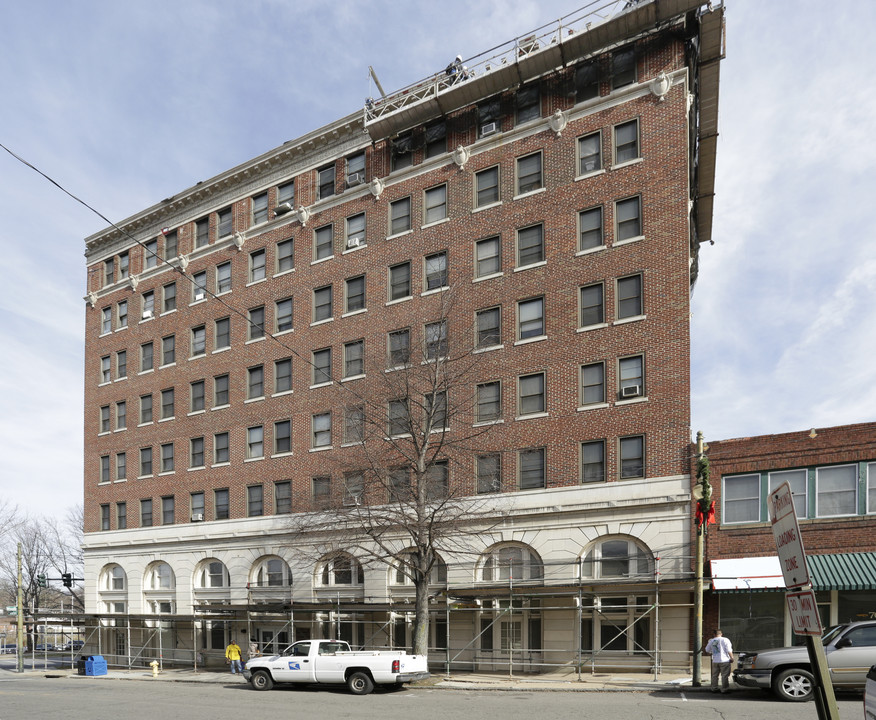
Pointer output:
159, 576
341, 569
212, 574
616, 557
114, 579
400, 574
271, 572
511, 562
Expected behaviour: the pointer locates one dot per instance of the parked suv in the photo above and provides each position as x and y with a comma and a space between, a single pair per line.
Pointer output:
870, 695
850, 651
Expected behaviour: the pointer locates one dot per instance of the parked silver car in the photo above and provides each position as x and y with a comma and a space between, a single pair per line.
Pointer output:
870, 695
850, 651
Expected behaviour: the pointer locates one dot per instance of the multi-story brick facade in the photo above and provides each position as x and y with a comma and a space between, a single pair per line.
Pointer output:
832, 474
546, 206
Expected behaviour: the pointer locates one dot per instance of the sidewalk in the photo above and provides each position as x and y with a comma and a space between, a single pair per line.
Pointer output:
552, 682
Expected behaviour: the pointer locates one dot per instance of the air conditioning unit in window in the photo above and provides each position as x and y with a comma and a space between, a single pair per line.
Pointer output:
282, 208
198, 517
147, 315
489, 129
199, 294
631, 391
351, 500
354, 179
354, 242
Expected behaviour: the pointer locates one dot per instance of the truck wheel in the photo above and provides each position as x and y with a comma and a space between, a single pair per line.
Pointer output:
795, 685
359, 683
262, 680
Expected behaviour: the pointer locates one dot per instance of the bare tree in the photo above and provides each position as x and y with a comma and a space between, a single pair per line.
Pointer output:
408, 495
64, 548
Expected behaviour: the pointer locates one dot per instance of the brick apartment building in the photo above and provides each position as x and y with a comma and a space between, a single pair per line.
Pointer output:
541, 207
832, 474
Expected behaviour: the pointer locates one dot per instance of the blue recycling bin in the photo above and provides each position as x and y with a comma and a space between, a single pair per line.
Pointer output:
95, 665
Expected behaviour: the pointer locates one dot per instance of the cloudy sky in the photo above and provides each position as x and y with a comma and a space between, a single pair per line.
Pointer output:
128, 103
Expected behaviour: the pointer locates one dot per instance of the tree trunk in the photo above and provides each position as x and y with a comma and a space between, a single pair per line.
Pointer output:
421, 616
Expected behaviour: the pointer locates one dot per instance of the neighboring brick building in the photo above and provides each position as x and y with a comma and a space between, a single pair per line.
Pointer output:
832, 473
558, 191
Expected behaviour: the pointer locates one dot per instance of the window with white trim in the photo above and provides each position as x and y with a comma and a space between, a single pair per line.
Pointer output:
511, 562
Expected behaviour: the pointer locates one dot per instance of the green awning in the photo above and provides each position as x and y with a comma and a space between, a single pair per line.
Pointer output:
844, 571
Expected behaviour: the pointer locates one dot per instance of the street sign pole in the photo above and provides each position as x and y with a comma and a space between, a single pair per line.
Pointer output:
801, 603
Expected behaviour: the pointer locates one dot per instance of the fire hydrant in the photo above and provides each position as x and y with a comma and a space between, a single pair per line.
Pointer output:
154, 666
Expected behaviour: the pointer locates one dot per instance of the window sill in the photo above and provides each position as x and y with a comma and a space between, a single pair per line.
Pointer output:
145, 424
121, 429
588, 328
168, 312
631, 401
321, 322
254, 459
282, 392
591, 174
436, 222
522, 196
118, 480
198, 301
168, 365
105, 432
635, 318
196, 468
121, 327
103, 384
282, 454
590, 251
488, 277
594, 406
627, 163
252, 400
322, 260
284, 332
619, 243
434, 291
406, 298
319, 385
105, 334
353, 377
398, 235
540, 263
481, 208
490, 348
166, 472
255, 340
526, 341
144, 477
531, 416
220, 407
487, 423
119, 379
256, 282
320, 449
167, 419
146, 372
353, 248
283, 272
104, 482
221, 350
354, 312
199, 355
220, 293
221, 464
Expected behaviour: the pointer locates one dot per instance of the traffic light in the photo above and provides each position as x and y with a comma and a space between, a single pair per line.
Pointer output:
42, 581
67, 579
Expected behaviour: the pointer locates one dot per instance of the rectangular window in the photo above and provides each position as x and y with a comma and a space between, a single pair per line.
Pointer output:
593, 461
631, 376
798, 481
150, 254
836, 491
489, 471
121, 515
121, 466
106, 320
286, 193
632, 457
530, 245
590, 153
592, 306
257, 266
402, 149
122, 314
623, 67
257, 323
530, 318
199, 286
124, 265
354, 424
400, 281
592, 384
399, 484
255, 505
285, 255
399, 347
222, 333
259, 210
105, 419
121, 415
220, 391
400, 216
283, 497
629, 297
223, 278
168, 350
326, 181
436, 410
169, 297
199, 341
109, 272
322, 366
196, 452
354, 358
355, 169
355, 294
145, 461
590, 229
167, 404
167, 463
355, 231
171, 245
529, 176
436, 340
322, 303
283, 436
628, 219
105, 468
255, 382
122, 364
323, 240
871, 488
106, 369
322, 491
399, 419
436, 139
146, 357
354, 485
321, 430
198, 503
224, 218
202, 232
435, 204
586, 82
283, 375
487, 187
255, 442
167, 511
145, 409
220, 448
220, 504
530, 390
488, 258
489, 402
437, 480
146, 513
626, 142
489, 117
489, 333
528, 103
283, 315
436, 271
147, 305
741, 497
104, 517
532, 468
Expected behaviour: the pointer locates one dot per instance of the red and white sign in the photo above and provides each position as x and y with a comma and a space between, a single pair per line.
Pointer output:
804, 612
786, 532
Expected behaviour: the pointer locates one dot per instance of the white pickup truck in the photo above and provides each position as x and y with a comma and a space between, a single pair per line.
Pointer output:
331, 662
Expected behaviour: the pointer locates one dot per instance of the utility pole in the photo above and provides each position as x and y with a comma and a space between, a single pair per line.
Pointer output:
703, 495
19, 640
